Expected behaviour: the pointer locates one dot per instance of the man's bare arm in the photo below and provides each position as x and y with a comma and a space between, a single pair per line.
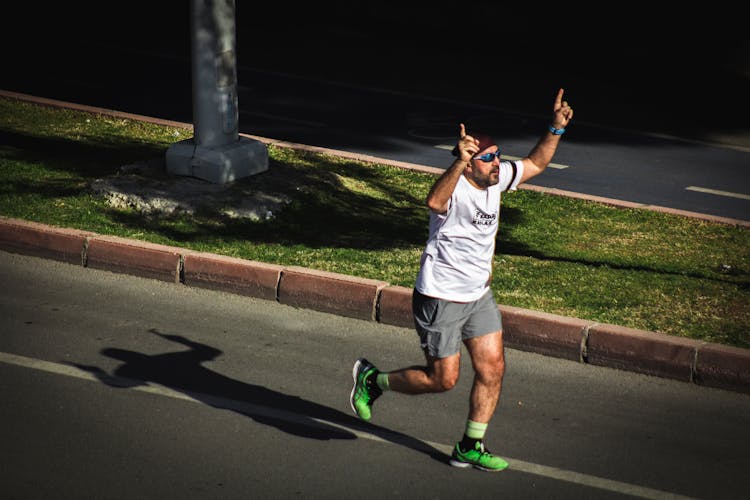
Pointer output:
541, 154
441, 192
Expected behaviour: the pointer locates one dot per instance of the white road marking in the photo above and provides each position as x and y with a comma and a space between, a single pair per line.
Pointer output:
558, 166
253, 409
718, 192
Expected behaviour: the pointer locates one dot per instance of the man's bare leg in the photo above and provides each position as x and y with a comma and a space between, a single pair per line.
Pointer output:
488, 359
440, 374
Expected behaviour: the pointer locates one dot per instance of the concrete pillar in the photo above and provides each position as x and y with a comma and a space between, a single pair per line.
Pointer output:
216, 153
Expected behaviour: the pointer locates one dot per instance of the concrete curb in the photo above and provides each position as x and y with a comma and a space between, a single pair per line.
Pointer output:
229, 274
613, 346
121, 255
330, 292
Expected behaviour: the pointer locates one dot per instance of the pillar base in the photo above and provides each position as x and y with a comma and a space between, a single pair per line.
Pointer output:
218, 164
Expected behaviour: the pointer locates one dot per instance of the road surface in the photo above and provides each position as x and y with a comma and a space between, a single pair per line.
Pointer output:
123, 387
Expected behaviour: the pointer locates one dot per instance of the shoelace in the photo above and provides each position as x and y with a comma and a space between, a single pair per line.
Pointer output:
484, 450
373, 391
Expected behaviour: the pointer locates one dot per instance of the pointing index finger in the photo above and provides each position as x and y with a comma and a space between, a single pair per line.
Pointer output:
558, 99
462, 132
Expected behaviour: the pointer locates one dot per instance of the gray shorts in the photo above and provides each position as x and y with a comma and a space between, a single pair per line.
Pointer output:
442, 325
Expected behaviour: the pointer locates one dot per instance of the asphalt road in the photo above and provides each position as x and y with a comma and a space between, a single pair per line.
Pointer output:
660, 112
123, 387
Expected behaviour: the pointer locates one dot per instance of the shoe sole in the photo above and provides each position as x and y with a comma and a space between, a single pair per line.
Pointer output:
355, 370
459, 464
464, 465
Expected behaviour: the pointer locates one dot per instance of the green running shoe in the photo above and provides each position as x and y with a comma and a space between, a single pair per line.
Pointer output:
479, 457
365, 390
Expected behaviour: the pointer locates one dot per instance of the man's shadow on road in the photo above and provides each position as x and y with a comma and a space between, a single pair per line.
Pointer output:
182, 371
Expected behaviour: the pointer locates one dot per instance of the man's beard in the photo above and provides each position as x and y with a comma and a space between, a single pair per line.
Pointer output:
486, 181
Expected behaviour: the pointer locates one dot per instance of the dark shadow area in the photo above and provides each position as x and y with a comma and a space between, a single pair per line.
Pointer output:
682, 71
321, 212
86, 156
183, 371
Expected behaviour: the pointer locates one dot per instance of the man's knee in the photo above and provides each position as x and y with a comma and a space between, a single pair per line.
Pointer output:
499, 366
444, 374
446, 382
491, 367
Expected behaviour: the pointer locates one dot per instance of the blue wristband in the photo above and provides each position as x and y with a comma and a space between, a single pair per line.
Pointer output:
556, 131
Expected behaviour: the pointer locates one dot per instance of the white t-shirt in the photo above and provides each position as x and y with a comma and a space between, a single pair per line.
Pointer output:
457, 260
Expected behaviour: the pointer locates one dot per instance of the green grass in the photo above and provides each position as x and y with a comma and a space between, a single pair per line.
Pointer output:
629, 267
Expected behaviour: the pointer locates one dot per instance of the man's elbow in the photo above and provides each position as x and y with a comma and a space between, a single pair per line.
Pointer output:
532, 169
436, 206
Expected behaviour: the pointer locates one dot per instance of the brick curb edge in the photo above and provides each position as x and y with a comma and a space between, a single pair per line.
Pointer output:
588, 342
